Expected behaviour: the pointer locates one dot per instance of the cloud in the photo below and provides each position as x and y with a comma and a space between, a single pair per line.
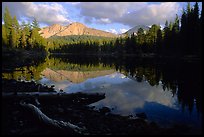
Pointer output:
44, 12
73, 3
112, 31
120, 31
96, 11
152, 14
104, 20
128, 13
123, 30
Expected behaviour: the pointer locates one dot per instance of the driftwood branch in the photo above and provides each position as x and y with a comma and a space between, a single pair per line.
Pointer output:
51, 122
36, 99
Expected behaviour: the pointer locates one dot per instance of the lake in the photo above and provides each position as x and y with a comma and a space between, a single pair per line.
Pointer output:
167, 91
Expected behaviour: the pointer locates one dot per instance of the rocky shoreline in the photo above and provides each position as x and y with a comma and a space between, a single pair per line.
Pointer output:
17, 120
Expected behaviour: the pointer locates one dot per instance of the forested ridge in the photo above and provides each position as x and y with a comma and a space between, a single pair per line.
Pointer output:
181, 37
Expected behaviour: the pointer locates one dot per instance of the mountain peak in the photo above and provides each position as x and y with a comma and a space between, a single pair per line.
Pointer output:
75, 28
77, 24
51, 30
136, 28
55, 25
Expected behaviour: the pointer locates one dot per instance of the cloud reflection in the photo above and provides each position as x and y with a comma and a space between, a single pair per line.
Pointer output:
129, 95
123, 93
126, 96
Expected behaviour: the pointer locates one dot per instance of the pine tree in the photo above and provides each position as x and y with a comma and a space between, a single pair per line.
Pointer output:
176, 25
183, 22
159, 41
188, 8
170, 26
13, 38
140, 36
16, 31
4, 36
15, 24
166, 36
33, 38
23, 41
133, 43
7, 24
35, 24
153, 33
196, 12
175, 36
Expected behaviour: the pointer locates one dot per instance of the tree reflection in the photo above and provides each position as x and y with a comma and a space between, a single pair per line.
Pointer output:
183, 79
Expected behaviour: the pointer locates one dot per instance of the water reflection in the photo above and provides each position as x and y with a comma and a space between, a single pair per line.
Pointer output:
73, 76
168, 91
128, 97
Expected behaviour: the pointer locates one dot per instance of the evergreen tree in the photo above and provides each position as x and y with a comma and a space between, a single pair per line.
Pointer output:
170, 26
175, 36
183, 32
25, 35
188, 8
166, 36
4, 36
133, 44
153, 36
23, 41
196, 28
140, 36
183, 22
35, 24
159, 41
176, 25
8, 25
117, 45
16, 31
13, 38
196, 13
15, 24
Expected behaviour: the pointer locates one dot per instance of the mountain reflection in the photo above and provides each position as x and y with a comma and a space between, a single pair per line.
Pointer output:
130, 82
73, 76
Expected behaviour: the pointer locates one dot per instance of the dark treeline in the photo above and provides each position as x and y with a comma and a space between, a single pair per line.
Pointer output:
182, 78
180, 37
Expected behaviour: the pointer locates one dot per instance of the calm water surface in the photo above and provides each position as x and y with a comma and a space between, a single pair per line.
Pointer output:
168, 93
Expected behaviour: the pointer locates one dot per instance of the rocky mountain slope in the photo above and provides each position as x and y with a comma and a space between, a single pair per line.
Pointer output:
73, 29
135, 30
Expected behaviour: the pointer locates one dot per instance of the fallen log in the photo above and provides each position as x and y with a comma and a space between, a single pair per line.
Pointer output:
60, 125
54, 98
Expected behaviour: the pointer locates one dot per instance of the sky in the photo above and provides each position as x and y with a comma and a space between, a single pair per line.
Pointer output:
115, 17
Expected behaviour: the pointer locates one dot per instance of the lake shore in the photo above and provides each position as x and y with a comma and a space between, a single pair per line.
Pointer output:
19, 121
